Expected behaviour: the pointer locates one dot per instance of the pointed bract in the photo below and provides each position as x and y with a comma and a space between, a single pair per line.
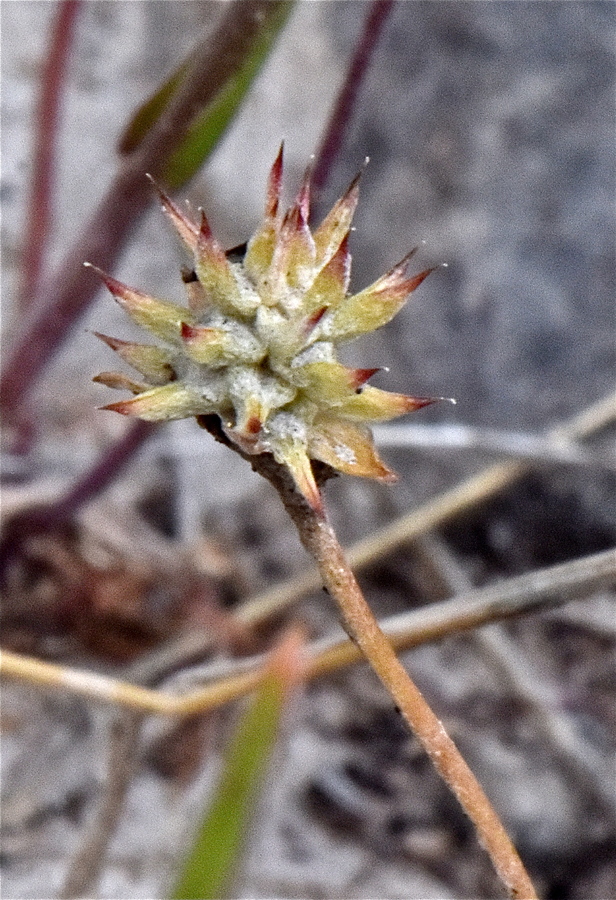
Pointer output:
330, 383
373, 307
292, 265
330, 286
120, 382
303, 196
336, 224
274, 185
216, 277
155, 363
261, 246
160, 404
347, 447
375, 405
296, 459
160, 318
186, 228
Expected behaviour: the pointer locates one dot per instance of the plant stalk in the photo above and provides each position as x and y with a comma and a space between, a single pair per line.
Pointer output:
320, 540
65, 296
52, 87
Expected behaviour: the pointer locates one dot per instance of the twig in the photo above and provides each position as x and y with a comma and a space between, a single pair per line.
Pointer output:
435, 512
123, 693
359, 622
518, 445
345, 104
515, 670
37, 519
123, 754
46, 129
533, 592
69, 293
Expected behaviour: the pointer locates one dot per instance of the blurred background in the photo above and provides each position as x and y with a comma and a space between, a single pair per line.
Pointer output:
490, 133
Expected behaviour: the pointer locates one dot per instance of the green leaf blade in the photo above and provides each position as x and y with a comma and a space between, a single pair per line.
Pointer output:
214, 859
209, 126
209, 122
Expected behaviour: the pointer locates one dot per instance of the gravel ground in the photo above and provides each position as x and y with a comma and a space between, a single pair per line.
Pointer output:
490, 132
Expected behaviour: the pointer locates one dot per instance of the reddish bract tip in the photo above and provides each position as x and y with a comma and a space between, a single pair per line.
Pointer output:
311, 321
115, 287
122, 406
188, 332
303, 196
361, 376
419, 402
274, 184
114, 343
412, 283
186, 228
205, 232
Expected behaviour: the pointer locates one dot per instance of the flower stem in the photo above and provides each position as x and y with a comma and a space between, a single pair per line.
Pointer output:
362, 627
319, 539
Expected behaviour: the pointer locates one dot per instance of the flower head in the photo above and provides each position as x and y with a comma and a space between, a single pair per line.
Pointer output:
256, 344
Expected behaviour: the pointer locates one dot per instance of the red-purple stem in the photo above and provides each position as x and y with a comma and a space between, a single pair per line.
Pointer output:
105, 236
66, 296
46, 129
347, 98
105, 470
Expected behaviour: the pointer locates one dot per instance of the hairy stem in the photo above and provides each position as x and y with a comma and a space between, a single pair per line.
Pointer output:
319, 538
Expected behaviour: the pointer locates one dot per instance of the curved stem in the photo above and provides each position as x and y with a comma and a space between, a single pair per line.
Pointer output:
319, 538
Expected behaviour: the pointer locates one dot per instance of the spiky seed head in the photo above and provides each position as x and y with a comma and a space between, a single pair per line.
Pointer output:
257, 343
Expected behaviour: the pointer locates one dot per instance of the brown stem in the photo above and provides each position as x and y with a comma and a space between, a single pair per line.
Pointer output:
318, 536
362, 627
